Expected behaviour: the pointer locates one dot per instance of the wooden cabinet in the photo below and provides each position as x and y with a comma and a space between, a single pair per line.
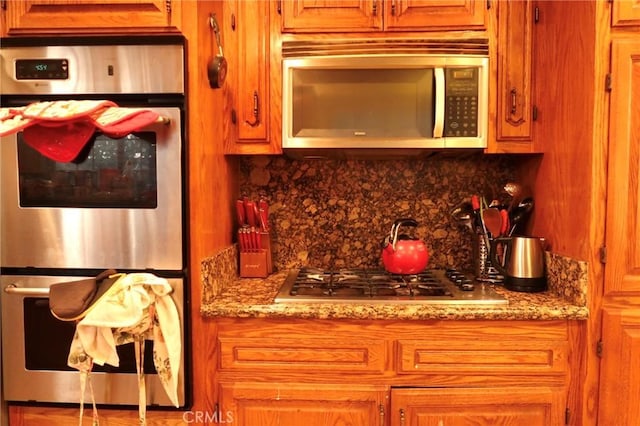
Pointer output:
248, 115
514, 130
626, 13
289, 404
90, 16
392, 373
623, 200
533, 406
620, 365
382, 15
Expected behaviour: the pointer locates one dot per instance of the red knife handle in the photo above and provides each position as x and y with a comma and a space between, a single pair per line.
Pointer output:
250, 213
475, 202
240, 212
263, 209
504, 228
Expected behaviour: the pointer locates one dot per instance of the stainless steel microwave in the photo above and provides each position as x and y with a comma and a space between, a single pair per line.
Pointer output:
385, 99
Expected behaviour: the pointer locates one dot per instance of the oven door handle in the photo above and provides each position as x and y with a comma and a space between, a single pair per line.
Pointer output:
13, 289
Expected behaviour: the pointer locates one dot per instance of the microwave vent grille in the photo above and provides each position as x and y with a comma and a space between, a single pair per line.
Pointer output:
303, 48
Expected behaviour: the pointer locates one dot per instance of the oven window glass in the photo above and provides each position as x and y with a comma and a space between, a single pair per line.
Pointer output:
47, 341
110, 173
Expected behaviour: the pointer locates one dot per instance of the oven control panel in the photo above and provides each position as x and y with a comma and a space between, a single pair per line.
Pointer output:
42, 69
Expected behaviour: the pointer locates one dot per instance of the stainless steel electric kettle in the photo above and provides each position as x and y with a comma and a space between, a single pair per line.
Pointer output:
523, 263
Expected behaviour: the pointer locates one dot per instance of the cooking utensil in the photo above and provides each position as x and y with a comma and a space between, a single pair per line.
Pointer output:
524, 268
463, 214
520, 213
492, 221
217, 66
515, 191
403, 254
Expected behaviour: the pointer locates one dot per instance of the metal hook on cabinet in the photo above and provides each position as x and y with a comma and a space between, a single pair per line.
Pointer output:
256, 111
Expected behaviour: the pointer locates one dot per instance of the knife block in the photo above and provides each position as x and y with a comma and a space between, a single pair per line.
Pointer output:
258, 263
253, 264
265, 241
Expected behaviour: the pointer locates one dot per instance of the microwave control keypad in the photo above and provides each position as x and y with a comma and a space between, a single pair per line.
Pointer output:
461, 116
461, 103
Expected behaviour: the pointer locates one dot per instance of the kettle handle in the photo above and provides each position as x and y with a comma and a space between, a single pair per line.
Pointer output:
493, 253
397, 224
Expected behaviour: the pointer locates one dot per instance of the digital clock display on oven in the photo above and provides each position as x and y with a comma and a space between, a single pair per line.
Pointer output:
42, 69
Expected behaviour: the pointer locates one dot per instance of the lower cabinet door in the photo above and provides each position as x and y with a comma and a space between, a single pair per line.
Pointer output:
286, 404
520, 406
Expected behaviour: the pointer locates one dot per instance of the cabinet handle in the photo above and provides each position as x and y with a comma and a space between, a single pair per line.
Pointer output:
514, 104
375, 8
393, 8
381, 411
402, 423
256, 111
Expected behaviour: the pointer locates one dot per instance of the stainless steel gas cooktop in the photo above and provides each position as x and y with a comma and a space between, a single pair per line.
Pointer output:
432, 286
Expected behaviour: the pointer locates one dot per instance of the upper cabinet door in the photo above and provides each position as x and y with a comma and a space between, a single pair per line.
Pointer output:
622, 270
515, 49
325, 16
90, 16
421, 15
382, 15
626, 13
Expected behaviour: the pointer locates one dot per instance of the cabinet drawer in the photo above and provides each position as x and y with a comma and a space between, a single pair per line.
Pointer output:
496, 357
353, 356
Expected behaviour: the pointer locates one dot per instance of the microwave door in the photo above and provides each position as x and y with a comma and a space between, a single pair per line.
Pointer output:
438, 126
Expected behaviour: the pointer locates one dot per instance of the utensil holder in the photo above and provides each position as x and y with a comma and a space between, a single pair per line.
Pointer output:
482, 265
481, 262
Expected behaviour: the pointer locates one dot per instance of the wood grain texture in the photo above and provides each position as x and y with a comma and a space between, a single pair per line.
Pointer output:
620, 374
211, 184
498, 357
75, 16
249, 94
515, 51
303, 355
533, 406
295, 404
569, 180
427, 15
54, 416
620, 386
304, 16
480, 372
623, 205
312, 16
626, 13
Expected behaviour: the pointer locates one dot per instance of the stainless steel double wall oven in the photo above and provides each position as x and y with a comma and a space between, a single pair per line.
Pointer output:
120, 204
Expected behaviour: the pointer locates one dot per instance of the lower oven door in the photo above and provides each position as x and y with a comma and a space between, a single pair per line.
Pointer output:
35, 347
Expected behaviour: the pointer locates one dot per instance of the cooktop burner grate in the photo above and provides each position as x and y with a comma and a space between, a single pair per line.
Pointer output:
373, 285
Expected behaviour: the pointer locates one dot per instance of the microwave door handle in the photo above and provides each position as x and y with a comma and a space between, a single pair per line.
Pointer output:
438, 126
13, 289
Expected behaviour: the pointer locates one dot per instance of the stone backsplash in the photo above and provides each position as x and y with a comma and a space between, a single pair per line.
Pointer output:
334, 213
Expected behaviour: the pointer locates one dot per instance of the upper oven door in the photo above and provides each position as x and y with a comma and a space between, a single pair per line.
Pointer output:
118, 206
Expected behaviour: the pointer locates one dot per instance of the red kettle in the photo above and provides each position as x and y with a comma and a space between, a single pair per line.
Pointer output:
403, 254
